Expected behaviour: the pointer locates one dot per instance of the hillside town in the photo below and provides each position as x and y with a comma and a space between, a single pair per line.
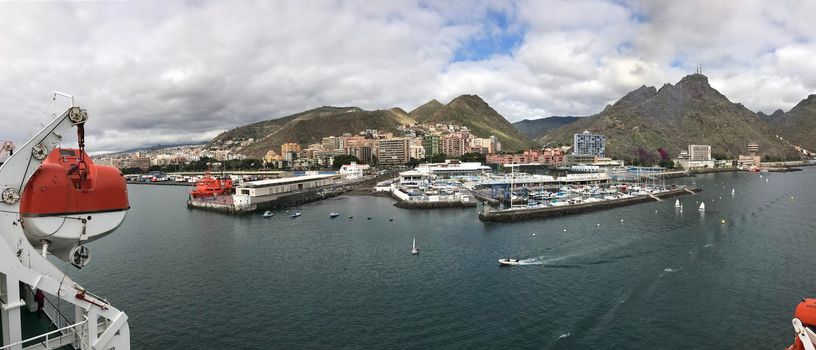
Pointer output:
413, 145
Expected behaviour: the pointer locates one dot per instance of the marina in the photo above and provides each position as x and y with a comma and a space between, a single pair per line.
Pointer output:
579, 205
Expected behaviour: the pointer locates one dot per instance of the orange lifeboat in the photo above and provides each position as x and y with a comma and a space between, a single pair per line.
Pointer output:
69, 200
805, 314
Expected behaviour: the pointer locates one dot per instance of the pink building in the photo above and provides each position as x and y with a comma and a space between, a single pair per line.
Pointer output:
547, 156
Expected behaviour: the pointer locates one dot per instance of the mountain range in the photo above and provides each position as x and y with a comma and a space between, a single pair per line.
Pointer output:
645, 119
672, 117
311, 126
798, 125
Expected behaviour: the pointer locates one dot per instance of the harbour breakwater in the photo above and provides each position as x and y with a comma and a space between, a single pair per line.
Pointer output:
572, 209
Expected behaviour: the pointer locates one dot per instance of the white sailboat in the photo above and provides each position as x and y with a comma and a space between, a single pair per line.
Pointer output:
732, 191
677, 203
702, 206
414, 249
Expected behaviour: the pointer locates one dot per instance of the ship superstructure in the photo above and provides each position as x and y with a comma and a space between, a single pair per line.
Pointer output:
52, 202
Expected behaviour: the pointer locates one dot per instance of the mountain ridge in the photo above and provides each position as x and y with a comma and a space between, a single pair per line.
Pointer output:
689, 112
312, 125
798, 125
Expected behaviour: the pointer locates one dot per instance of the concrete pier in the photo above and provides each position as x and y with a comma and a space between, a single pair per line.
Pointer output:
554, 211
225, 204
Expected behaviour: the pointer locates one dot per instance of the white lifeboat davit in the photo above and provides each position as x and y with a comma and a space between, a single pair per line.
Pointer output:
70, 200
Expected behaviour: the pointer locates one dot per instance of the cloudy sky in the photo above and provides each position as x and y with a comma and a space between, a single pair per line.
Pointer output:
174, 71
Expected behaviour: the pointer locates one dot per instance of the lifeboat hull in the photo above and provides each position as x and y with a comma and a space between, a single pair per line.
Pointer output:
66, 231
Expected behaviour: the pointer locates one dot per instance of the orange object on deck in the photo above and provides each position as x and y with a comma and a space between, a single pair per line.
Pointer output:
68, 182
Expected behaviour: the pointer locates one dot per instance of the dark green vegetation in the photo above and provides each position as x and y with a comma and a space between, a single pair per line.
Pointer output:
690, 112
205, 163
339, 161
473, 157
312, 125
535, 128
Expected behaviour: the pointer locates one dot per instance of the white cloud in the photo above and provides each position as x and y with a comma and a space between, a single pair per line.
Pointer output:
157, 72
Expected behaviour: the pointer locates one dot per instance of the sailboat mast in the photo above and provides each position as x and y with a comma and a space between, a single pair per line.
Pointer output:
512, 183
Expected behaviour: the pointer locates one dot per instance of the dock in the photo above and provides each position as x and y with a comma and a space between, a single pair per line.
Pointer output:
457, 200
512, 215
232, 204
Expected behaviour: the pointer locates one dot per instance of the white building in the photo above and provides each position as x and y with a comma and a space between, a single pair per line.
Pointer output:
699, 152
588, 144
452, 168
417, 152
283, 185
353, 171
697, 156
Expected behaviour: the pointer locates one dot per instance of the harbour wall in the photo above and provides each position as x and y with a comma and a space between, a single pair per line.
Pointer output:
547, 212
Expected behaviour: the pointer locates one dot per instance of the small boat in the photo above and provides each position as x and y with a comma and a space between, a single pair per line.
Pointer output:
677, 203
369, 218
702, 207
391, 219
732, 191
414, 249
295, 214
508, 262
268, 214
334, 214
351, 217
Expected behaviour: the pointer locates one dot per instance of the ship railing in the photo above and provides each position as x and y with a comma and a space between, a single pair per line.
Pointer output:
61, 336
51, 311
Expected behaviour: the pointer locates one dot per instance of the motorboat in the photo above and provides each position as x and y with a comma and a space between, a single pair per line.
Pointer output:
414, 249
268, 214
334, 214
508, 262
295, 214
